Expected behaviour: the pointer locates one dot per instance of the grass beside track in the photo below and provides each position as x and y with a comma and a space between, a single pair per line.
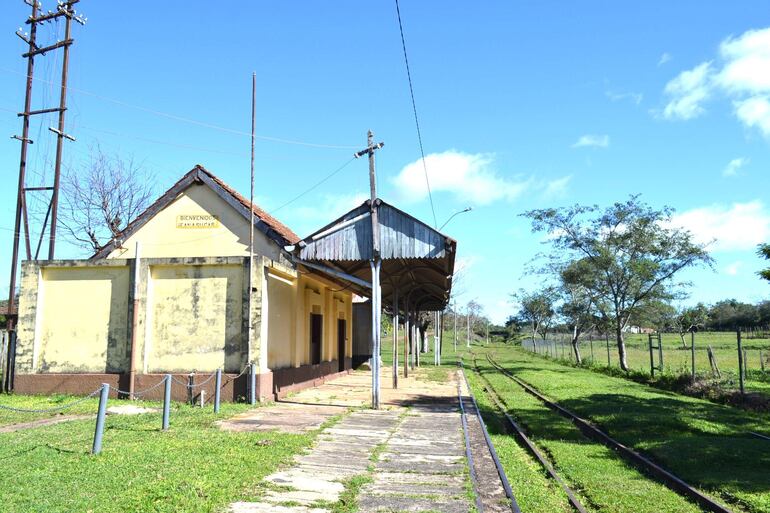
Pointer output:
192, 467
706, 444
602, 480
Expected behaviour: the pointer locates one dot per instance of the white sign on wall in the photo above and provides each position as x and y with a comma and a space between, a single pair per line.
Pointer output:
197, 222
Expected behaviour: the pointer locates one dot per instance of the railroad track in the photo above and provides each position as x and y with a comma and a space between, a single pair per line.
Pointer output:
529, 445
469, 454
591, 431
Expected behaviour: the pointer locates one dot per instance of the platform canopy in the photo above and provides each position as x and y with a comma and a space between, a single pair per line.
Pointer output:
417, 260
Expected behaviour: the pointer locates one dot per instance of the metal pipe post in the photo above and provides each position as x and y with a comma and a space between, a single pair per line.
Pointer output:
99, 431
217, 390
395, 338
252, 383
376, 327
166, 401
134, 324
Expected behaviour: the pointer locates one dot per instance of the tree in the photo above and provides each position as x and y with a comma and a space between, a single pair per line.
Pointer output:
101, 198
537, 310
577, 308
691, 319
628, 255
764, 251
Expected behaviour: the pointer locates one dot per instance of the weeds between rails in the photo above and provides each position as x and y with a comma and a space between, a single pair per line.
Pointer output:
589, 430
531, 447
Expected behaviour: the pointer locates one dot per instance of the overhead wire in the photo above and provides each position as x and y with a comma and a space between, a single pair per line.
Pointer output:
203, 124
416, 119
313, 187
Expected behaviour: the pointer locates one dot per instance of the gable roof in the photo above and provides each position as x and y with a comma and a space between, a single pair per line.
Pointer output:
264, 222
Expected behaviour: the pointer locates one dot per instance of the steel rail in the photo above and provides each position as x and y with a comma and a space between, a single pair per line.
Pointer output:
468, 454
531, 447
590, 430
500, 470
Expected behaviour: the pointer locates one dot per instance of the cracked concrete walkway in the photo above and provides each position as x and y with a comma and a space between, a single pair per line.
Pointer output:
411, 454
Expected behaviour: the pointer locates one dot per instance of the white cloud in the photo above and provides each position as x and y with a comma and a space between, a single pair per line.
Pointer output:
734, 166
635, 98
747, 62
740, 226
733, 268
327, 209
557, 188
744, 78
592, 141
664, 58
470, 177
688, 91
754, 112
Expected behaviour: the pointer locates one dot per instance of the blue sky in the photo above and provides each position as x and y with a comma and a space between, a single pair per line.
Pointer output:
522, 105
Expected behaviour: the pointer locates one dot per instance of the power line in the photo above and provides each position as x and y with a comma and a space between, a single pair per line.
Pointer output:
313, 187
416, 120
181, 119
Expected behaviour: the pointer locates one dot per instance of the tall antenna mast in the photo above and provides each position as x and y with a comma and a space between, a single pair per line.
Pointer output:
65, 8
250, 335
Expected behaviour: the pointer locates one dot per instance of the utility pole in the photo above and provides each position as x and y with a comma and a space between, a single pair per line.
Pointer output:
64, 9
376, 265
454, 332
468, 328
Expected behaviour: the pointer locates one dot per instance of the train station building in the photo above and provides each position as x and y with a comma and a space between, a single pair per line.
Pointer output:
179, 292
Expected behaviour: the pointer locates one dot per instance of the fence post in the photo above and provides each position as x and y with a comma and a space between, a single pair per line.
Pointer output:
740, 362
761, 361
252, 384
692, 353
217, 391
607, 338
591, 340
190, 386
99, 431
652, 359
166, 401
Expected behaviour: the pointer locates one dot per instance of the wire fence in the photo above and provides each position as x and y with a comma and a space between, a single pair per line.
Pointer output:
737, 361
166, 382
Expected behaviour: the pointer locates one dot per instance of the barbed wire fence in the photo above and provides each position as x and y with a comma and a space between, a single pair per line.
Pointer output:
698, 357
190, 385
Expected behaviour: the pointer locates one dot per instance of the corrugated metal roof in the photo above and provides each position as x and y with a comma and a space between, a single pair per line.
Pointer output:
417, 260
401, 237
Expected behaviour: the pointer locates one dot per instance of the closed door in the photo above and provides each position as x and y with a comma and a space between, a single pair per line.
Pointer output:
341, 332
316, 329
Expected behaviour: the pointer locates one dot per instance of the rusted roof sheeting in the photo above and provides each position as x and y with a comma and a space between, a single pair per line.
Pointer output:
401, 237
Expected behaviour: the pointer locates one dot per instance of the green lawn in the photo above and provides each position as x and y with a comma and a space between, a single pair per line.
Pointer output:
194, 467
678, 359
706, 444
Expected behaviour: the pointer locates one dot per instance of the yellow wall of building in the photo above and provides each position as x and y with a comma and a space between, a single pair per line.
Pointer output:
185, 229
281, 293
82, 321
195, 315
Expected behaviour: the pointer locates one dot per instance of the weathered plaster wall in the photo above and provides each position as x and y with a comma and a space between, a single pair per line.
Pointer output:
74, 319
164, 236
196, 317
281, 291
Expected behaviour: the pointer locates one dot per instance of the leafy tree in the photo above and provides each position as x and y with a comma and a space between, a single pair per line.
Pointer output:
537, 310
577, 308
691, 319
628, 253
764, 251
730, 314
